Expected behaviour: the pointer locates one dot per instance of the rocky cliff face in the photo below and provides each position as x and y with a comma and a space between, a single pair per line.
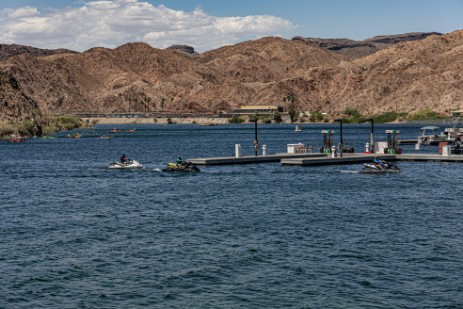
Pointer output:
351, 49
405, 76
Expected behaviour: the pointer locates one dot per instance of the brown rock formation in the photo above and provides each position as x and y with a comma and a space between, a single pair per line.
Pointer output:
356, 49
406, 76
7, 51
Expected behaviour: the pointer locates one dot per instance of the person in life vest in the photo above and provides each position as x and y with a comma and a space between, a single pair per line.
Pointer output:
179, 161
124, 159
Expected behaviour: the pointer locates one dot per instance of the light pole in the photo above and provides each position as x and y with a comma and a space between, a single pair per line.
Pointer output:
340, 131
372, 132
256, 141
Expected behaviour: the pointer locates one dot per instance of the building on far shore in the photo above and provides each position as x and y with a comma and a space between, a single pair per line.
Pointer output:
258, 109
458, 113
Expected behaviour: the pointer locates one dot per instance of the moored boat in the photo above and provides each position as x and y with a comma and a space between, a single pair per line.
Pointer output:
16, 140
430, 135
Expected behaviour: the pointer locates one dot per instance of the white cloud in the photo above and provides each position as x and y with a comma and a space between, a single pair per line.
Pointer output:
111, 23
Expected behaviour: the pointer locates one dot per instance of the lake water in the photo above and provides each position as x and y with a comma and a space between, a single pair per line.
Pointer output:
74, 234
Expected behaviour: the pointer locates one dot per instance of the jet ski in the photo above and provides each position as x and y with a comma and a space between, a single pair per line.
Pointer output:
182, 167
379, 166
129, 164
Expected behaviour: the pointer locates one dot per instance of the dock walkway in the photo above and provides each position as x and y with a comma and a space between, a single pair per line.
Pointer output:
345, 159
364, 158
311, 159
253, 159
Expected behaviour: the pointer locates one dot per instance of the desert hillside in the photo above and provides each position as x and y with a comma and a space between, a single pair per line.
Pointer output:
7, 51
405, 76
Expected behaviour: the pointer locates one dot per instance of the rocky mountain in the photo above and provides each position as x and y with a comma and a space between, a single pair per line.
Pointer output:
356, 49
7, 51
189, 50
406, 76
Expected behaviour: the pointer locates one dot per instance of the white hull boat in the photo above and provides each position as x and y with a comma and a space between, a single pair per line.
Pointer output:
131, 164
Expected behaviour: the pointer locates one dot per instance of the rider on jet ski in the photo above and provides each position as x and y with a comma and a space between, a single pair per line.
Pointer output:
179, 161
382, 164
124, 159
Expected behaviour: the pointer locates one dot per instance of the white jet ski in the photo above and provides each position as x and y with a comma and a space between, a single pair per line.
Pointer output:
130, 164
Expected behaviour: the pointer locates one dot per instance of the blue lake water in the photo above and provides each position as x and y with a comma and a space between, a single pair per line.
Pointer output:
74, 234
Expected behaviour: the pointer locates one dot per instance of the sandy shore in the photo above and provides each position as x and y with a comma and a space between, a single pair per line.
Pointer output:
122, 121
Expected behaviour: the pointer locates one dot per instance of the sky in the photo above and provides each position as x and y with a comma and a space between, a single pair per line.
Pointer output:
209, 24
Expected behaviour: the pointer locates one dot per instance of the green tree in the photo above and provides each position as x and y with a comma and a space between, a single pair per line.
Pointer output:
316, 116
425, 114
253, 118
163, 103
277, 117
289, 98
292, 113
352, 112
236, 119
147, 101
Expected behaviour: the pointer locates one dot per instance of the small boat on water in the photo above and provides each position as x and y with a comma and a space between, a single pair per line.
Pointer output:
298, 129
454, 134
76, 135
430, 135
130, 164
16, 140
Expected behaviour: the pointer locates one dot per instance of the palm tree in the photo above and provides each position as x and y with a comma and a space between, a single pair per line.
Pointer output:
292, 109
289, 98
130, 101
163, 103
147, 101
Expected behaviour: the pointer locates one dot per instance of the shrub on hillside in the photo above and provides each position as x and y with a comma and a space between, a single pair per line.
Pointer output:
235, 119
425, 114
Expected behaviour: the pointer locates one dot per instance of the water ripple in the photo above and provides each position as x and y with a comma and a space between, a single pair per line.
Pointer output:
74, 234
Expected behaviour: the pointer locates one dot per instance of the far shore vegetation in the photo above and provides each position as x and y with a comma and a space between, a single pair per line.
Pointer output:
47, 125
349, 115
44, 126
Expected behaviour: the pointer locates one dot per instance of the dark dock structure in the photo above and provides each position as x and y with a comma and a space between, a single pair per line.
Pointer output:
253, 159
312, 159
364, 158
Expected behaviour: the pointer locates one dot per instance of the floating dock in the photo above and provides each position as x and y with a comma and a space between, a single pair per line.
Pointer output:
408, 141
430, 158
364, 158
345, 159
253, 159
312, 159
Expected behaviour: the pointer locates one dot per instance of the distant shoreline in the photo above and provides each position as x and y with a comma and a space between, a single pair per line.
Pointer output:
125, 121
189, 120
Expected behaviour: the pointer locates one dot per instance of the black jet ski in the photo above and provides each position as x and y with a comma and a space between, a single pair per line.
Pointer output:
379, 166
183, 166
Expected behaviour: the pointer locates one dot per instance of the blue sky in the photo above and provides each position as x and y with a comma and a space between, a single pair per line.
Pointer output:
208, 24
